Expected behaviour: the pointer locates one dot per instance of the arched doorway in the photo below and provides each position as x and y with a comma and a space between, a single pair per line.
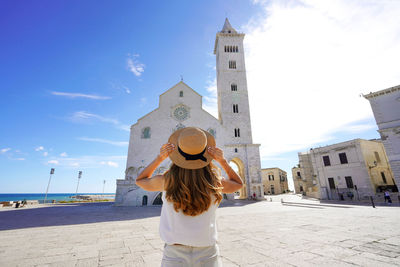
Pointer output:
158, 200
144, 201
238, 166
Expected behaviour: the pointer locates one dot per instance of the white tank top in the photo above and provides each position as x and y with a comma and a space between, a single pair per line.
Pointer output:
195, 231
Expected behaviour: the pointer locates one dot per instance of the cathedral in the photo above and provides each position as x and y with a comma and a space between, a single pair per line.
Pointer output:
181, 106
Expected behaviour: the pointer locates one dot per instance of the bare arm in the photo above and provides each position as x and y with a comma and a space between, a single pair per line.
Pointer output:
155, 183
234, 183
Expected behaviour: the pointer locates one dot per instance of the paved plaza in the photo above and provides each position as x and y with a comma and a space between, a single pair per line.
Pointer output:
260, 233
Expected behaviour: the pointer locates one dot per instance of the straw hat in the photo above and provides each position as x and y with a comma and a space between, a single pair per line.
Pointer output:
191, 147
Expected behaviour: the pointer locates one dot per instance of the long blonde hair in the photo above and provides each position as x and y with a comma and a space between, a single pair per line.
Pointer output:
191, 190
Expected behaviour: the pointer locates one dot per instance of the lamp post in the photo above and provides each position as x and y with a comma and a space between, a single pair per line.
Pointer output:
47, 190
104, 184
79, 177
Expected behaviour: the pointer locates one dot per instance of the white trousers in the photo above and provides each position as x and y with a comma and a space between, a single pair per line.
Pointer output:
187, 256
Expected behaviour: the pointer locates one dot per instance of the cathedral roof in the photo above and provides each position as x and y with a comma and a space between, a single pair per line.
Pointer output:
227, 30
228, 27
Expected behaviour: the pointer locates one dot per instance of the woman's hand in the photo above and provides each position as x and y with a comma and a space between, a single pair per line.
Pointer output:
165, 150
216, 153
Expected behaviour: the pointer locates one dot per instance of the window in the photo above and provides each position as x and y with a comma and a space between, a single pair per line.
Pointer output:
331, 183
378, 159
327, 161
213, 132
181, 94
231, 49
343, 158
349, 182
236, 150
383, 177
232, 64
235, 108
237, 132
298, 174
146, 133
233, 87
272, 177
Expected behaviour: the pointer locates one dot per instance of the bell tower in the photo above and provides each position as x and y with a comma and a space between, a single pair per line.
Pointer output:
233, 107
233, 101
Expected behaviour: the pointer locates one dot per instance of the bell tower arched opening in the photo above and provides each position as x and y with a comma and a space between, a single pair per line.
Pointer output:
238, 166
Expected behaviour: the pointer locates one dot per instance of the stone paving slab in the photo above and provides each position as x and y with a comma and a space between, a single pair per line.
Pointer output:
250, 234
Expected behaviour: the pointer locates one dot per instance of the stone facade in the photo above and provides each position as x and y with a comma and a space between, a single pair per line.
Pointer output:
181, 106
357, 168
304, 179
274, 181
385, 105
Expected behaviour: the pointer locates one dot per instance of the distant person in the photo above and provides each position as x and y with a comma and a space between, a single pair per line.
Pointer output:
387, 196
191, 192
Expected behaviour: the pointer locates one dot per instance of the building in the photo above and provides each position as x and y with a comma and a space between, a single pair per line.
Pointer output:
303, 177
274, 181
181, 106
353, 169
385, 105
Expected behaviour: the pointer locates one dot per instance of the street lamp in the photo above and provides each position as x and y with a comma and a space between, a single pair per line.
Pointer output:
104, 184
79, 177
47, 190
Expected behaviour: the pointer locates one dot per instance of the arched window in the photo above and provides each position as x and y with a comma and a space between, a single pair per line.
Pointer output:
235, 108
236, 150
144, 201
212, 132
237, 132
146, 133
233, 87
181, 94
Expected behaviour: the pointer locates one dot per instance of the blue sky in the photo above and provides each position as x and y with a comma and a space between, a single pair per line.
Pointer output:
76, 74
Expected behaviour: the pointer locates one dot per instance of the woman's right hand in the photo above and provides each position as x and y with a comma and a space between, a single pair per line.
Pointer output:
166, 150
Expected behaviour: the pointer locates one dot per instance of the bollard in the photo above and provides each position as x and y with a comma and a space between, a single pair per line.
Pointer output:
372, 201
270, 199
282, 200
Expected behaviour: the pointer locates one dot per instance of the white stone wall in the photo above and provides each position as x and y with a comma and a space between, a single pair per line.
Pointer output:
385, 105
355, 168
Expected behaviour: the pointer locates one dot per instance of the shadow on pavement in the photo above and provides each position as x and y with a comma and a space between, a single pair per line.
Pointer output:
82, 213
70, 214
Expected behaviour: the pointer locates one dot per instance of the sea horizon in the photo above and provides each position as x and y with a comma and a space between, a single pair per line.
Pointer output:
4, 197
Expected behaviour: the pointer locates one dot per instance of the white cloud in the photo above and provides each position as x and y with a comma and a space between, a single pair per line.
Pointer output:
19, 158
105, 141
4, 150
109, 163
39, 148
80, 95
307, 63
83, 116
45, 153
64, 154
74, 164
88, 161
211, 101
134, 65
127, 90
